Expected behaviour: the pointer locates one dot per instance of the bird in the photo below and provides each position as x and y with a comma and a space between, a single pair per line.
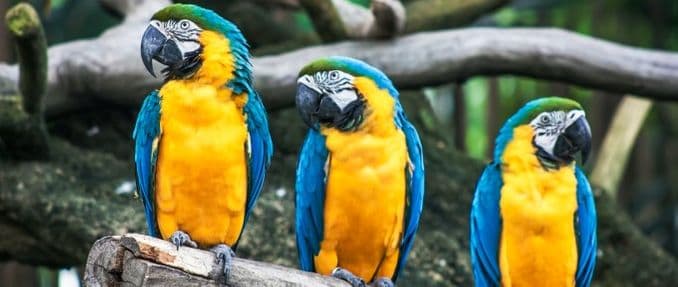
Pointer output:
201, 142
533, 215
360, 174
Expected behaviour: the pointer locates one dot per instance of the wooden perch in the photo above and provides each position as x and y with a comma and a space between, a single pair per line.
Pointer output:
140, 260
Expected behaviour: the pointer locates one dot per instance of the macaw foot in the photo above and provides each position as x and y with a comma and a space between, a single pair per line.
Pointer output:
180, 238
347, 276
383, 282
224, 255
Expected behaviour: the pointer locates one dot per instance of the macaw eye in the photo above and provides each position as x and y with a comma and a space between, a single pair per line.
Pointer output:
545, 119
334, 75
184, 24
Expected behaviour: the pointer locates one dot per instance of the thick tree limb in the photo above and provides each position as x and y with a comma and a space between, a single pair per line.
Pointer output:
109, 68
145, 261
441, 57
618, 143
341, 19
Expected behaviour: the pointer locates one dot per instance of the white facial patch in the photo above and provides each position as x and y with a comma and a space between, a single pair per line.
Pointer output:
549, 125
343, 98
186, 47
184, 32
338, 85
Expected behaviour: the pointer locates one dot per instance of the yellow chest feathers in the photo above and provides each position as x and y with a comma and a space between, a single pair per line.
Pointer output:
538, 244
201, 177
365, 195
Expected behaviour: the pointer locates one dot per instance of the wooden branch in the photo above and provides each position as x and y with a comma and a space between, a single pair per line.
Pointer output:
141, 260
326, 19
109, 68
423, 15
434, 58
618, 143
384, 19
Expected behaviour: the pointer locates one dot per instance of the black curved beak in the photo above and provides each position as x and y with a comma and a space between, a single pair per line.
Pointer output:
576, 138
307, 101
314, 106
156, 46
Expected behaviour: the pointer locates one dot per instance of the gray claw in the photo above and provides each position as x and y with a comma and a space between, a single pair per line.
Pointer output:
383, 282
347, 276
224, 254
180, 238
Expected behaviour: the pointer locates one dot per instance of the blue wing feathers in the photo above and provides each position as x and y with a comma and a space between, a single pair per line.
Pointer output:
310, 198
261, 149
486, 228
585, 224
146, 132
415, 187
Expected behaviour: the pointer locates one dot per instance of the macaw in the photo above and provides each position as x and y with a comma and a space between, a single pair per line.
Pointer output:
533, 217
360, 174
202, 144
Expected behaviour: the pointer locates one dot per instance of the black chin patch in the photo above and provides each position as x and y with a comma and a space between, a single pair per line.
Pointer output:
549, 161
351, 117
185, 68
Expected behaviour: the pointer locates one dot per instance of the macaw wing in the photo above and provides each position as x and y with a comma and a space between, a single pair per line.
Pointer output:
585, 224
310, 198
415, 188
486, 228
146, 136
259, 150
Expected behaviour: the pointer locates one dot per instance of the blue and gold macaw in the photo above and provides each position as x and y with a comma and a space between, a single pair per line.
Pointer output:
533, 219
360, 175
202, 144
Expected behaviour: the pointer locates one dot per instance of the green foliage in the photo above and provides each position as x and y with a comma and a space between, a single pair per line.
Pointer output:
475, 92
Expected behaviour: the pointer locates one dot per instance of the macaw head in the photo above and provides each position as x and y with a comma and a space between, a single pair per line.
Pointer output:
185, 38
559, 130
339, 92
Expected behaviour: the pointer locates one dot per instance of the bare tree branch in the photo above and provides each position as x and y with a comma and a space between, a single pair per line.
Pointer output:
326, 19
146, 261
434, 58
109, 68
